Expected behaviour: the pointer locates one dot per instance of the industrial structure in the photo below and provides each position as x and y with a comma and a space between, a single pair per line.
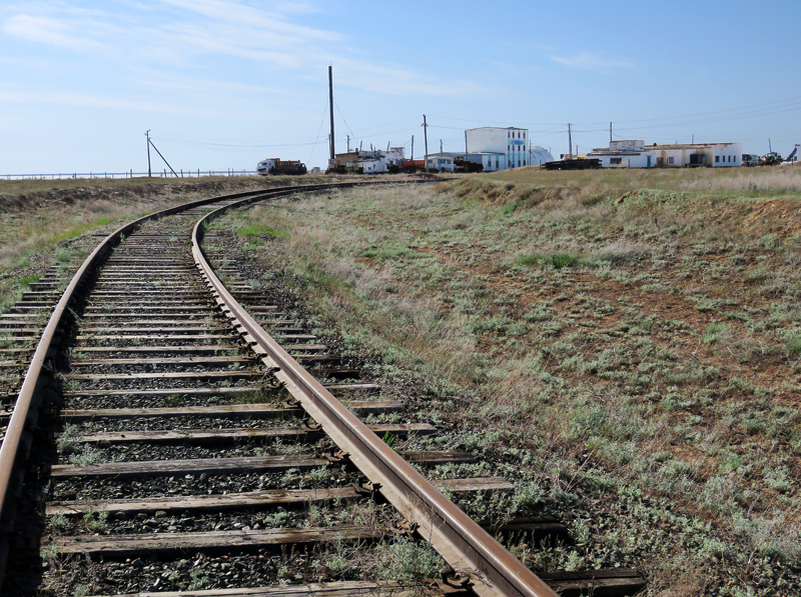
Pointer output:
487, 149
635, 154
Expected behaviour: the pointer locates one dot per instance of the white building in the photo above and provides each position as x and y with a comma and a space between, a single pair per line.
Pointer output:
708, 155
635, 154
510, 142
373, 161
623, 154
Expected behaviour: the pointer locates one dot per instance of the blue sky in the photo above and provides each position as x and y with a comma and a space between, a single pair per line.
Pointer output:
223, 83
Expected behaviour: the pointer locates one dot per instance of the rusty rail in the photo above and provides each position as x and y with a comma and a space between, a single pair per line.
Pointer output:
471, 552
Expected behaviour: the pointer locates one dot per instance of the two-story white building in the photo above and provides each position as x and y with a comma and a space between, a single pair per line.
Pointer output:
511, 142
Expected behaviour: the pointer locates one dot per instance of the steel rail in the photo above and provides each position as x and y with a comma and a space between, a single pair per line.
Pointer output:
469, 550
15, 446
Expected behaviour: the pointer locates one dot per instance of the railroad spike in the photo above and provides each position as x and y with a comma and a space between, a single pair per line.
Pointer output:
312, 425
337, 456
453, 579
366, 489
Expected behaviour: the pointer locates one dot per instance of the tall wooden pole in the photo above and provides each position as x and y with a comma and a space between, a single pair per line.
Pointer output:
569, 141
332, 155
147, 134
425, 141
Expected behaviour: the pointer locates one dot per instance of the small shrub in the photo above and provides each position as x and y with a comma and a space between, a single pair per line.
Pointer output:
173, 401
555, 260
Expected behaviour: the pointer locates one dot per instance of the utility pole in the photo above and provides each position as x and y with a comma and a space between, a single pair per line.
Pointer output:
440, 145
425, 141
610, 135
569, 141
332, 152
348, 143
412, 156
147, 134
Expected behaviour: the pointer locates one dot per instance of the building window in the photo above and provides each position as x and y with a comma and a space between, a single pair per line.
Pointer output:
615, 161
670, 160
717, 159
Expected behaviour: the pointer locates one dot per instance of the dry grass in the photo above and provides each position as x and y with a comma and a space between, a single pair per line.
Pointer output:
626, 346
47, 223
627, 341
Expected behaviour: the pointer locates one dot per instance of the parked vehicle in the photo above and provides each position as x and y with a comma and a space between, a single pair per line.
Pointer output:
279, 166
750, 159
771, 159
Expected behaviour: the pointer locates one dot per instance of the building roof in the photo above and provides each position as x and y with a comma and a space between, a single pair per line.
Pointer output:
608, 151
686, 145
498, 128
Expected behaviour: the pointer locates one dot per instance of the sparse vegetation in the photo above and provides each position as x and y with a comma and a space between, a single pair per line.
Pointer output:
643, 385
632, 335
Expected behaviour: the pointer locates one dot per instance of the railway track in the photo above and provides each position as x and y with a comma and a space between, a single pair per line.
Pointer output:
164, 441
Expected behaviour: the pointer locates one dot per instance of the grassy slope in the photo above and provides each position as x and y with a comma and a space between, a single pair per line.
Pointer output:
625, 345
48, 223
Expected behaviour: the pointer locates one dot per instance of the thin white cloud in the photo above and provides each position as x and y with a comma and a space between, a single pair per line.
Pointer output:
158, 79
588, 61
236, 12
49, 31
187, 32
67, 98
228, 42
396, 81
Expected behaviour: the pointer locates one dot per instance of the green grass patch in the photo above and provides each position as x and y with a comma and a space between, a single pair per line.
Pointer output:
262, 231
26, 281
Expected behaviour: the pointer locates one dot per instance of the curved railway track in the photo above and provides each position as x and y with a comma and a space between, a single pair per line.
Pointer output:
157, 433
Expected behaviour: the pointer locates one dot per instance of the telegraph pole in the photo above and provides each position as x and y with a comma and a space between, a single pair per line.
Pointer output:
569, 142
412, 156
332, 155
425, 140
147, 134
610, 135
